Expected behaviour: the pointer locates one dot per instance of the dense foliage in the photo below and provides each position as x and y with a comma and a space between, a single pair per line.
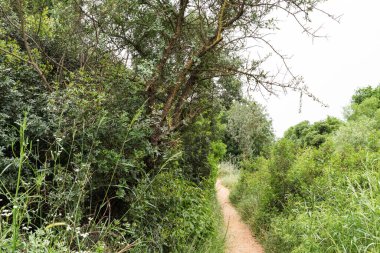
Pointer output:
305, 134
249, 129
111, 118
318, 198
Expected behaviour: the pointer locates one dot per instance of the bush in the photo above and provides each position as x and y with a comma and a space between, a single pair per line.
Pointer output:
282, 157
169, 212
79, 158
317, 191
358, 134
305, 134
329, 225
253, 195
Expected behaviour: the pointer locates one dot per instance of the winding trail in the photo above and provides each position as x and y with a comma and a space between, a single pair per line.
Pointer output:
239, 237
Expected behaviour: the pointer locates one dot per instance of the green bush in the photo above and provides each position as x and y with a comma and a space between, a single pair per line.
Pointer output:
282, 157
169, 212
305, 134
365, 102
359, 134
253, 196
79, 157
347, 219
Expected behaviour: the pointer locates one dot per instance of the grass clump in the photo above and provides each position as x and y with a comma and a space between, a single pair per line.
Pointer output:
228, 174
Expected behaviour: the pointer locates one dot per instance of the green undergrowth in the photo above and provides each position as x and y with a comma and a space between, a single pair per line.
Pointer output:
79, 172
216, 242
320, 200
318, 188
46, 208
183, 215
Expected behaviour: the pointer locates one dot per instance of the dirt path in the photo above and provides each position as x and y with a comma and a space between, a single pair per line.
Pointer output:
239, 237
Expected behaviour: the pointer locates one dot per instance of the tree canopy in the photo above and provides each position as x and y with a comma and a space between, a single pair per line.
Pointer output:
250, 127
180, 53
306, 134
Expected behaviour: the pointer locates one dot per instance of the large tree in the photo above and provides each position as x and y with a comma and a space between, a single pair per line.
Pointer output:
182, 54
181, 49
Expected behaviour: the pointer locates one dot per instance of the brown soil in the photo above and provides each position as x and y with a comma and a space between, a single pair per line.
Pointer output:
239, 237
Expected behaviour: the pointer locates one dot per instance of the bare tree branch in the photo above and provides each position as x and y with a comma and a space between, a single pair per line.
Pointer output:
20, 12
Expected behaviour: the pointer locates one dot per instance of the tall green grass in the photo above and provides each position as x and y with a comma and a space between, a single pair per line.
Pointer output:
45, 210
331, 202
41, 221
228, 174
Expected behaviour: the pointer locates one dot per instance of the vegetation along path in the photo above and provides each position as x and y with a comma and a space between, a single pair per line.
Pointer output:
239, 237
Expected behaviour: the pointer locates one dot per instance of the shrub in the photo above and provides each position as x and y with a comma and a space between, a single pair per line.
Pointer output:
346, 220
282, 157
253, 196
305, 134
358, 134
316, 191
329, 204
168, 212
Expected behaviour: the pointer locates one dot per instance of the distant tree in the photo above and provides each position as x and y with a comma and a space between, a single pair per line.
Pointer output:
249, 126
305, 134
364, 103
358, 134
365, 93
298, 132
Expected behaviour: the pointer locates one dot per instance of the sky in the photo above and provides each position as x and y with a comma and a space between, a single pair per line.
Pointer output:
332, 67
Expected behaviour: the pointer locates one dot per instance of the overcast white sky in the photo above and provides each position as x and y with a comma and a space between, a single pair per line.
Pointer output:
333, 68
